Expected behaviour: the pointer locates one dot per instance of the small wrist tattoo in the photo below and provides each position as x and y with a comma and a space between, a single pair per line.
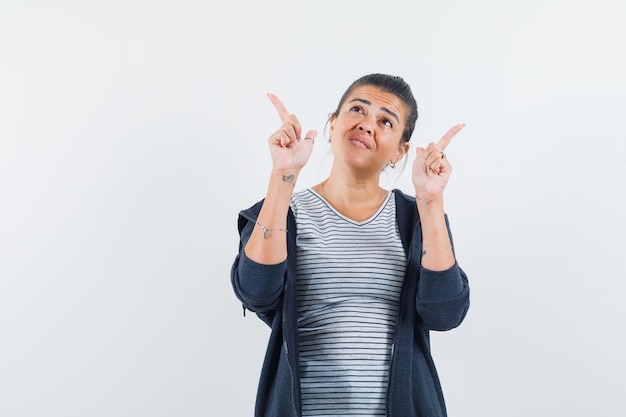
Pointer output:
290, 179
424, 252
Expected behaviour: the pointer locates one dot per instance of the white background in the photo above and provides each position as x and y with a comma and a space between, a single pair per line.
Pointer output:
132, 133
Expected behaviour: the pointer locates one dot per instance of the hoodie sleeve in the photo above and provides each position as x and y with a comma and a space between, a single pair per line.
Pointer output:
259, 287
442, 296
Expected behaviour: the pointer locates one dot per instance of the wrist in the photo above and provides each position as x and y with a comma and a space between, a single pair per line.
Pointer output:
423, 197
426, 201
287, 176
425, 206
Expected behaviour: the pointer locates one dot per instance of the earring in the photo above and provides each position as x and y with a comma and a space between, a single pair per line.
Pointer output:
392, 165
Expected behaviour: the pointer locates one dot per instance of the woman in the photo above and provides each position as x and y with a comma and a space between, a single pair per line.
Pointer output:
352, 277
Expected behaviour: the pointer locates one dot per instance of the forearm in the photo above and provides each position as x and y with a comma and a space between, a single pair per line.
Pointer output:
437, 254
267, 244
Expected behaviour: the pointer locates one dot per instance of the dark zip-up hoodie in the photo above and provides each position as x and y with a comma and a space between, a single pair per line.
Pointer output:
430, 300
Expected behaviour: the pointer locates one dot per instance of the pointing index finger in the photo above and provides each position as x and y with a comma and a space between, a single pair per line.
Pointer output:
445, 139
279, 106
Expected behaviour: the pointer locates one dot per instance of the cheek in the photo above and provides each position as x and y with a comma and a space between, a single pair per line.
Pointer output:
338, 126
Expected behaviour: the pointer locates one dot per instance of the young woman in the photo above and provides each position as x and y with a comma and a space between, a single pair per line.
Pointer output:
352, 277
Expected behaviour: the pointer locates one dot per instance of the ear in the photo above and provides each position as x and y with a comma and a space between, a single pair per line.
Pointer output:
403, 148
331, 120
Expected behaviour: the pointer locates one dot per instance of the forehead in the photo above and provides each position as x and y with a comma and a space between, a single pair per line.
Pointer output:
379, 98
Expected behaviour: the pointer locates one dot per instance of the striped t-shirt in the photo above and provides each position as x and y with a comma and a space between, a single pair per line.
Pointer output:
350, 276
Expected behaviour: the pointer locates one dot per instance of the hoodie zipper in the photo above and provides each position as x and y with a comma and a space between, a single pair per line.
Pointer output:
285, 344
291, 373
393, 344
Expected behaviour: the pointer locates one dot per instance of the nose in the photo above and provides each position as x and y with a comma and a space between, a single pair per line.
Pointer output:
366, 126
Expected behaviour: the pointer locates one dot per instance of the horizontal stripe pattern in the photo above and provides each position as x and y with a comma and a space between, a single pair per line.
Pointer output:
350, 276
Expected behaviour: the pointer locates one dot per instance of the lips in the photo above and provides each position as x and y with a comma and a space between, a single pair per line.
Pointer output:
360, 142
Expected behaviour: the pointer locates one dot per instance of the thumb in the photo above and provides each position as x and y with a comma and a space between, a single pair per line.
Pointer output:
311, 135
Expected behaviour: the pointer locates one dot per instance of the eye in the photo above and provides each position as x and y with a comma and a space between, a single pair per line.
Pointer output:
387, 122
357, 109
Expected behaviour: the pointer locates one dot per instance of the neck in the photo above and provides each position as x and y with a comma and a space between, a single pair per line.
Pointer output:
352, 189
350, 193
356, 200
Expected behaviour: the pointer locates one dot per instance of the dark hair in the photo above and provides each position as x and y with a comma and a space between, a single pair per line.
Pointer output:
390, 84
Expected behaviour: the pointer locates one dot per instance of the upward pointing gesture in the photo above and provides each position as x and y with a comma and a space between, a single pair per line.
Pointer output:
431, 169
289, 151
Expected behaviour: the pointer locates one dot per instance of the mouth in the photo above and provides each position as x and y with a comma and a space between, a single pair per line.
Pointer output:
359, 143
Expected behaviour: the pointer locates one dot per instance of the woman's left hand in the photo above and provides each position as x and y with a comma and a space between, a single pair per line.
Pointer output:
431, 168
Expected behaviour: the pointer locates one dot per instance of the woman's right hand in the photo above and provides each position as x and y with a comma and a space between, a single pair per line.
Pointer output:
289, 151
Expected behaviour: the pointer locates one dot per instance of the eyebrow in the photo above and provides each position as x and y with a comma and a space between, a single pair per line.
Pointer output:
369, 103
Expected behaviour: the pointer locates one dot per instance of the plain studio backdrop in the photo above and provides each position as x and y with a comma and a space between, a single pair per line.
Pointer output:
133, 132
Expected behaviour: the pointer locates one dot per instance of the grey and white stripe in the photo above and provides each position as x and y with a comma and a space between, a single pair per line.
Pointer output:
350, 276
